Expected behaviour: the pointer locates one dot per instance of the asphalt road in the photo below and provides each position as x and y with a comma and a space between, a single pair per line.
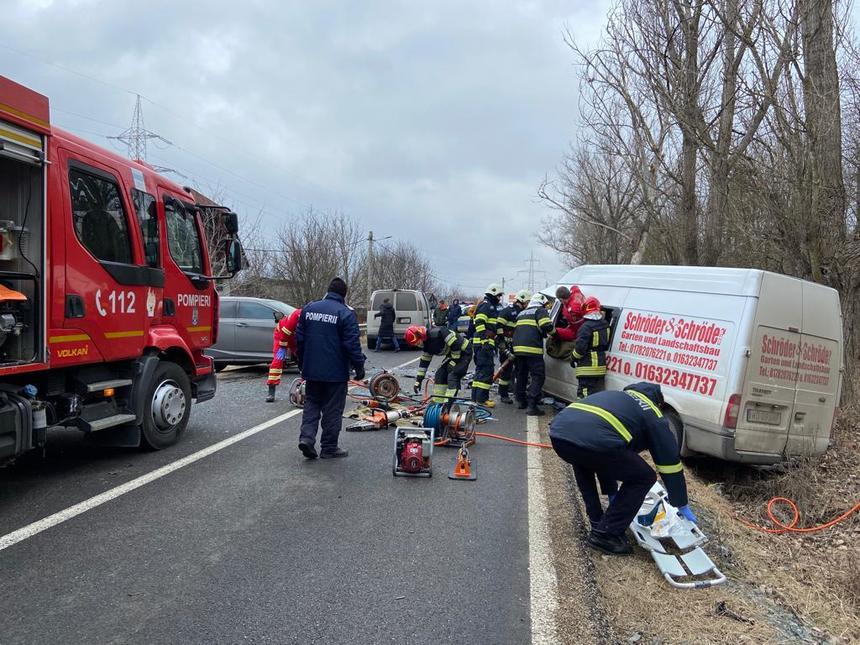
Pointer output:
255, 544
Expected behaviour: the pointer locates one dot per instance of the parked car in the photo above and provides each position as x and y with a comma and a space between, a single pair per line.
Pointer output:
750, 362
245, 327
412, 308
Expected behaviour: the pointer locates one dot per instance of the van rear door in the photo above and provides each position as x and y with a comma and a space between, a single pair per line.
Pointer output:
767, 399
819, 363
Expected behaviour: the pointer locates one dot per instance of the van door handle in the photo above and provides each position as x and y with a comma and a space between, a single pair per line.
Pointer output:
798, 416
241, 324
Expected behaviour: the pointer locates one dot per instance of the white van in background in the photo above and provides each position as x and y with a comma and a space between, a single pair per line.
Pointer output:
411, 307
750, 362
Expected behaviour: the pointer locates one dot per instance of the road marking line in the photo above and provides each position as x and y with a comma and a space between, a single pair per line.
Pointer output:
397, 367
58, 518
543, 587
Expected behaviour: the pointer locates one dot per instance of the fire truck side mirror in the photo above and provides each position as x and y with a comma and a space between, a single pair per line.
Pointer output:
233, 255
231, 223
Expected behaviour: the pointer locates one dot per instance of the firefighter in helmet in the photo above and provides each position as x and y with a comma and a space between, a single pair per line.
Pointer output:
457, 354
533, 325
484, 341
588, 358
507, 322
283, 341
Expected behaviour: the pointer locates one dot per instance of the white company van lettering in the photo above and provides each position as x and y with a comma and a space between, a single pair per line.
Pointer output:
792, 361
693, 343
320, 317
194, 300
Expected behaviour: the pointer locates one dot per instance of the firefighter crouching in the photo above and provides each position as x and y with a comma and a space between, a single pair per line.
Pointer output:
284, 340
507, 322
533, 325
589, 351
457, 353
484, 342
602, 435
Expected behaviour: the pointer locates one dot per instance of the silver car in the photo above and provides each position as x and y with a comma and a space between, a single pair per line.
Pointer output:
245, 328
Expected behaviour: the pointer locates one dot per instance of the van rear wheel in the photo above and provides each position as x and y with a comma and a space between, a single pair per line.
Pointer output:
677, 427
168, 406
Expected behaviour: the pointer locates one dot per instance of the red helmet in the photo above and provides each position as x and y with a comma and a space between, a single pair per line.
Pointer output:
575, 301
415, 335
591, 305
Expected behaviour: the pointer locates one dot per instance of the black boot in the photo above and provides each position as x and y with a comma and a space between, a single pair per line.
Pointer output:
521, 404
504, 397
534, 410
608, 543
271, 396
337, 453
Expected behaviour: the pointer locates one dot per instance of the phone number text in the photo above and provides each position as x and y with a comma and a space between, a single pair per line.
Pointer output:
663, 375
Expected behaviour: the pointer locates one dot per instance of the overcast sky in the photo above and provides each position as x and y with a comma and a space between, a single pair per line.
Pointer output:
431, 121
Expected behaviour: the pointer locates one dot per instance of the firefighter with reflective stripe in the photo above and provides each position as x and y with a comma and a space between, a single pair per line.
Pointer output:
507, 322
484, 342
603, 435
533, 326
283, 341
589, 352
456, 350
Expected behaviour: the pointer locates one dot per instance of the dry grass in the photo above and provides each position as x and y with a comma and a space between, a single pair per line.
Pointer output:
794, 588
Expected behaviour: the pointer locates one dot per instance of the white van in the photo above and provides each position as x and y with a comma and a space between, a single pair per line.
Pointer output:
411, 307
750, 362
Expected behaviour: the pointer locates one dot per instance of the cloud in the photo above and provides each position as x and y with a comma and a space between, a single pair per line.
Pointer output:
434, 121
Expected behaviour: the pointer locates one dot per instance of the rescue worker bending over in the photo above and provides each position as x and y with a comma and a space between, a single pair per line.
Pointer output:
603, 435
457, 352
283, 340
484, 341
589, 352
533, 325
507, 322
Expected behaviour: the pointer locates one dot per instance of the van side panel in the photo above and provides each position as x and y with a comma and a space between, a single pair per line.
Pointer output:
819, 364
767, 402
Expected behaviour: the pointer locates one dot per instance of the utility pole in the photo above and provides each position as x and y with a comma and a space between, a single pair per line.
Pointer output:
369, 267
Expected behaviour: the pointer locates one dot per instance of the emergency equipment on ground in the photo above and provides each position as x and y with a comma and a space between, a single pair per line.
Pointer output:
413, 452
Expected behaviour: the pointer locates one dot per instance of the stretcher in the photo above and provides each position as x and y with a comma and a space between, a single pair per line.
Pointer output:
679, 555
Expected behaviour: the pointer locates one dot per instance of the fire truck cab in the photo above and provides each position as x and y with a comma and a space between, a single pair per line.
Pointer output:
106, 295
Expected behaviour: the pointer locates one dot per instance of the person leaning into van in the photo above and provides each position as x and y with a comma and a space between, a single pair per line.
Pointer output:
387, 315
328, 345
533, 325
284, 339
602, 435
588, 358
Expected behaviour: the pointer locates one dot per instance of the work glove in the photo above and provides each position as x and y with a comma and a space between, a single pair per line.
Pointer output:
282, 354
359, 373
416, 387
686, 513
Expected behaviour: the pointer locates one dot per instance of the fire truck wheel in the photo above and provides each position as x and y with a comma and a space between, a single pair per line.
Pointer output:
168, 406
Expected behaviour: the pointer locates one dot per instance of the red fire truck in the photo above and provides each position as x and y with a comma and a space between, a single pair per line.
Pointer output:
106, 295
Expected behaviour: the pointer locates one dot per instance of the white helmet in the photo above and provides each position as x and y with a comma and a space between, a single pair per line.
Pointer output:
493, 290
523, 296
538, 300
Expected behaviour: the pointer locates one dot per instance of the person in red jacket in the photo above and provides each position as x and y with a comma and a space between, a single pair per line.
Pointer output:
283, 340
571, 319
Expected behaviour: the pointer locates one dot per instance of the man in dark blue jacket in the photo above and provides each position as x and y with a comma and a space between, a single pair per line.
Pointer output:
328, 345
454, 313
603, 435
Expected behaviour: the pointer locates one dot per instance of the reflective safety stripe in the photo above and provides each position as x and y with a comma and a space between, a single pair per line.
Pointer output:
504, 382
287, 332
543, 322
427, 356
590, 371
595, 339
576, 354
668, 470
439, 399
422, 372
283, 343
644, 398
275, 371
595, 361
481, 385
439, 390
527, 321
525, 349
450, 339
610, 418
450, 393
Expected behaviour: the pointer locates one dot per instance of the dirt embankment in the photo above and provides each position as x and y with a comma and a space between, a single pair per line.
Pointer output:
781, 588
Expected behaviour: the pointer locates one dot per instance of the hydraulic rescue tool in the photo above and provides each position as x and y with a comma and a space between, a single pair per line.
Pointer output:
378, 420
463, 466
413, 452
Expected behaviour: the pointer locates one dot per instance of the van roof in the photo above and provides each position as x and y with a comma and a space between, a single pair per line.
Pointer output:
716, 280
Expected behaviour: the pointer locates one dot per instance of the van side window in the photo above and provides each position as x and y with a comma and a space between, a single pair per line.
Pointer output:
183, 238
612, 315
99, 216
406, 302
144, 204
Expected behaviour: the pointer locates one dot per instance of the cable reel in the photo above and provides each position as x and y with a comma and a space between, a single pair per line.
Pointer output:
297, 392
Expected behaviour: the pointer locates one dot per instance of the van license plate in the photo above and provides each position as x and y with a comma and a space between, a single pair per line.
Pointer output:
769, 417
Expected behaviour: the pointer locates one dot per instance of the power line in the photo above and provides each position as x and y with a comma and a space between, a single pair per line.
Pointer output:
136, 136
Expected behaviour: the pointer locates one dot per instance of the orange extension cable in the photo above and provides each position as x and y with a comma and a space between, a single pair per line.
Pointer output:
791, 527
